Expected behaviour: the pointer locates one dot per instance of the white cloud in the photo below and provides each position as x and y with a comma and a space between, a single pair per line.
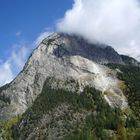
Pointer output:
19, 55
18, 34
113, 22
6, 74
17, 58
14, 63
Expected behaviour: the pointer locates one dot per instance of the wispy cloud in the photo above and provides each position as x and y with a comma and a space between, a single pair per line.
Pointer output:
17, 58
18, 33
113, 22
14, 63
6, 73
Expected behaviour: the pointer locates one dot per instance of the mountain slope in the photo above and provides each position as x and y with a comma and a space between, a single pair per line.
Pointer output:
63, 57
59, 114
68, 80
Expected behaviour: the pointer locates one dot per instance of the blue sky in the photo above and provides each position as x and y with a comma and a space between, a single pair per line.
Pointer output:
22, 22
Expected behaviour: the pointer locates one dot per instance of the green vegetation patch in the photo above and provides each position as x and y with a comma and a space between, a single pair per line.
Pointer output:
6, 128
131, 76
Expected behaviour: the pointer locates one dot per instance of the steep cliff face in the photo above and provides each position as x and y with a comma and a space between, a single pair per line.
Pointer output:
65, 58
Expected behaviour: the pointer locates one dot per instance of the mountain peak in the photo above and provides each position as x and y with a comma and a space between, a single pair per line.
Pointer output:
63, 58
70, 45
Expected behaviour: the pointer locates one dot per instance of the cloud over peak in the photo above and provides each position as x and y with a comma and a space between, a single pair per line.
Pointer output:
113, 22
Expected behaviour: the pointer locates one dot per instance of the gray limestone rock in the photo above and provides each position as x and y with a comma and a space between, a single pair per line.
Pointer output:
64, 58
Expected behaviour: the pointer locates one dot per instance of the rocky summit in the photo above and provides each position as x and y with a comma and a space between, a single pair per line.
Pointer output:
70, 65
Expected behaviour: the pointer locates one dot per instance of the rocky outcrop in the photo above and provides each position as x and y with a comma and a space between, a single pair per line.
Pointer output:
64, 58
130, 61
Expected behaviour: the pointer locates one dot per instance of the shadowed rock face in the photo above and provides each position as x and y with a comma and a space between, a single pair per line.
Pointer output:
130, 61
64, 58
74, 45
